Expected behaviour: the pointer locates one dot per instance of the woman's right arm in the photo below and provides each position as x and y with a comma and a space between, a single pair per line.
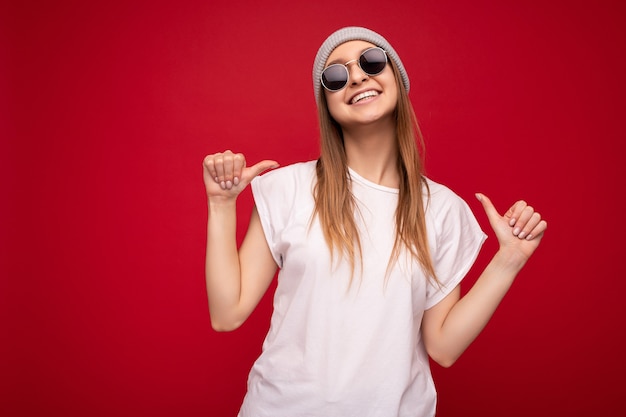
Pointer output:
236, 279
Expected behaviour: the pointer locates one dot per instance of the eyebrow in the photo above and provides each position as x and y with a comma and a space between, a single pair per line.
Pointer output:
339, 61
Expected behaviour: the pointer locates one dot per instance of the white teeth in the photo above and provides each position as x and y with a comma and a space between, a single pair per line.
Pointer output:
362, 96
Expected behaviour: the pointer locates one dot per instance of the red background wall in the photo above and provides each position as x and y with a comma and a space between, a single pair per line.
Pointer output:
109, 107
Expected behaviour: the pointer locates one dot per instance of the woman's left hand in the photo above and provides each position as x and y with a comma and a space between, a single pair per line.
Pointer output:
519, 231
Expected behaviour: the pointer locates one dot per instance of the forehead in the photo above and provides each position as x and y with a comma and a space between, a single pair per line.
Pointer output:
348, 51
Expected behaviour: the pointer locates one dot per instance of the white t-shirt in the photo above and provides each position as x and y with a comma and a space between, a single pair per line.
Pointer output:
340, 349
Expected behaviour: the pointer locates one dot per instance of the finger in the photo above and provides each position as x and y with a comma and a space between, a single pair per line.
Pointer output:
209, 166
218, 162
532, 222
227, 181
523, 219
538, 230
514, 213
490, 210
224, 168
239, 163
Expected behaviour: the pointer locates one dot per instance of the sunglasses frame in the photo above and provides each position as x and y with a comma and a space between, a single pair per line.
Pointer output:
358, 61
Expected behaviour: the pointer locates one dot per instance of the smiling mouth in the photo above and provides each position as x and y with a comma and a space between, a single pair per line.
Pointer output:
363, 96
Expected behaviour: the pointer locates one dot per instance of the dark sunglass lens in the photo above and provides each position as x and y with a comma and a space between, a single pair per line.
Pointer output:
335, 77
373, 61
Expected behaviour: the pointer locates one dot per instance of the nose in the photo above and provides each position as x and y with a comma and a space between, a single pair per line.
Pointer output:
356, 74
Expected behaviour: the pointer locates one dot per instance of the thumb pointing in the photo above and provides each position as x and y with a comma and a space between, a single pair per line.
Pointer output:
490, 210
258, 168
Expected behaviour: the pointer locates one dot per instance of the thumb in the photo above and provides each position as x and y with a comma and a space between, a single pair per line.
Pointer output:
259, 167
492, 213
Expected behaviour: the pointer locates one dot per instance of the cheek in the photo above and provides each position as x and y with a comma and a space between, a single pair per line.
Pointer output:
390, 82
394, 96
333, 100
392, 91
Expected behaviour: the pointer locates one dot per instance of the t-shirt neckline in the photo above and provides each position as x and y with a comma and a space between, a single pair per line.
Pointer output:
371, 184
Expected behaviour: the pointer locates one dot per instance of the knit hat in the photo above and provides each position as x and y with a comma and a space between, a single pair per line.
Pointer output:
346, 34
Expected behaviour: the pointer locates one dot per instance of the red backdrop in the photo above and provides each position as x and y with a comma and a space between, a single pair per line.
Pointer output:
109, 107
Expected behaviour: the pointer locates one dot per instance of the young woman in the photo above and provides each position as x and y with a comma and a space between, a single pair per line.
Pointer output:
371, 253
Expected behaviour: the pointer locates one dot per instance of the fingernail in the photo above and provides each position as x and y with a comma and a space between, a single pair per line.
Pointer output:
529, 237
512, 222
516, 231
229, 185
236, 181
223, 185
217, 179
521, 235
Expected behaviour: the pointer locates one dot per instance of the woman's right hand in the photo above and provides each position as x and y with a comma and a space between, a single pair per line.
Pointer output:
226, 175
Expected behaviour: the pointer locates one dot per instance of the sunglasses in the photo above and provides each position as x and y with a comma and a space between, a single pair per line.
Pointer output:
372, 61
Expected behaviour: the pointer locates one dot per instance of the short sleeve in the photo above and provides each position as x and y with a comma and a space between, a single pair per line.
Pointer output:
279, 195
264, 199
455, 240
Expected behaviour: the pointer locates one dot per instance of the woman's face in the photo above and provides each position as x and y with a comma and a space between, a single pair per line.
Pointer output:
365, 99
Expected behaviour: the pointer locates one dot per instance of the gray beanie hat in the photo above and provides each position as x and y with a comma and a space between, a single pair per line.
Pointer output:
352, 33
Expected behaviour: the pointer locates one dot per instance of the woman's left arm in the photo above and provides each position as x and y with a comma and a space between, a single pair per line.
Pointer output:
450, 326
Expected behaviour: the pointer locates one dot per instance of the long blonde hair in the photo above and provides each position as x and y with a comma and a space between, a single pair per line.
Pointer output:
335, 205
